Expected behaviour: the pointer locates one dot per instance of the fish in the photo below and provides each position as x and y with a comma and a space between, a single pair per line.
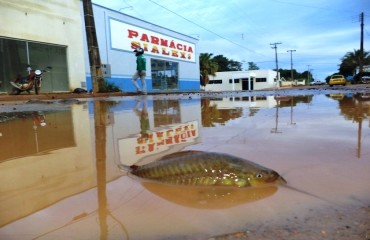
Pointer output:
198, 168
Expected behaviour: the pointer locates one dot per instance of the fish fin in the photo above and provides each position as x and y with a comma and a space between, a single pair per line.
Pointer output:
179, 154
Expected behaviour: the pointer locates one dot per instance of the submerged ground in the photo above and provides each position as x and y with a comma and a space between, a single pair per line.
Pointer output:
317, 138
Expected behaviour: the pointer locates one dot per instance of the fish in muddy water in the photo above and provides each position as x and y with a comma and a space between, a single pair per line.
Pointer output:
196, 168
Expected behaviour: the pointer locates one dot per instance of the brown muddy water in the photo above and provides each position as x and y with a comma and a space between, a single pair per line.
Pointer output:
62, 174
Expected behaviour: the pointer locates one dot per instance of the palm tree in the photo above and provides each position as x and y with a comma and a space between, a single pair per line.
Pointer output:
352, 60
207, 67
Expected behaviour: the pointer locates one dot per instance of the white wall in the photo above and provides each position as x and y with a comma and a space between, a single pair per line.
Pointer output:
53, 21
227, 86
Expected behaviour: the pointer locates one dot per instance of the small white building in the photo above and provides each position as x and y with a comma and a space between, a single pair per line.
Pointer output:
242, 80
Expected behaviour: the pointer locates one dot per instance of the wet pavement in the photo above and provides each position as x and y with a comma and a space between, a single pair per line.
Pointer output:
64, 165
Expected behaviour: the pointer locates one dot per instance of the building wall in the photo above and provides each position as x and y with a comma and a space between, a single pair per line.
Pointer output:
122, 61
52, 22
225, 85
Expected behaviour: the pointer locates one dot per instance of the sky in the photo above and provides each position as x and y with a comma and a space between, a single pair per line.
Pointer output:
320, 31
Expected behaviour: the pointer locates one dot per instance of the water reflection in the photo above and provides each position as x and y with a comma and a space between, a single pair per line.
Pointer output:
208, 197
66, 182
356, 108
28, 133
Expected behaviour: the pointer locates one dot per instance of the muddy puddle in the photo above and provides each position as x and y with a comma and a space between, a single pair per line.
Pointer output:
63, 167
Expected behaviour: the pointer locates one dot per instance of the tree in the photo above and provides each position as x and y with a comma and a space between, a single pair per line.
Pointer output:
252, 66
225, 64
351, 60
207, 67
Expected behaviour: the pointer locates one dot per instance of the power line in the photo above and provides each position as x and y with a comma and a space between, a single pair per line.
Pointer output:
210, 31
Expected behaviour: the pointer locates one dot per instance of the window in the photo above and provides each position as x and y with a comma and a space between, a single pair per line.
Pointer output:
215, 82
261, 79
235, 80
15, 55
164, 74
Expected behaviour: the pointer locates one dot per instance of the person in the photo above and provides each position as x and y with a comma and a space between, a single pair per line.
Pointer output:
144, 117
140, 70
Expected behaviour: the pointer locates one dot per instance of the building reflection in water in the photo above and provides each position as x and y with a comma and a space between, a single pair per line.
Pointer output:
64, 171
44, 155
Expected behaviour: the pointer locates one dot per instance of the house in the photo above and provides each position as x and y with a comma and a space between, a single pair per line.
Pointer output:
242, 80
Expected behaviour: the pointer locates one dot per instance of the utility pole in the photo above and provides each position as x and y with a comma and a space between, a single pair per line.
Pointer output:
291, 63
276, 61
308, 74
93, 47
361, 62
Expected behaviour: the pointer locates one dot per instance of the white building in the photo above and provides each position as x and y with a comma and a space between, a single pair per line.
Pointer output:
242, 80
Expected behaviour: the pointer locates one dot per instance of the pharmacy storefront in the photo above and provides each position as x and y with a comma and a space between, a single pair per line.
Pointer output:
172, 61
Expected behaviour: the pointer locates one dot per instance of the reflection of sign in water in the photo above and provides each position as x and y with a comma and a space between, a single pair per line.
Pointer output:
133, 149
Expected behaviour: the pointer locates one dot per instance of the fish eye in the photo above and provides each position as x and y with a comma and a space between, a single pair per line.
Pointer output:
259, 175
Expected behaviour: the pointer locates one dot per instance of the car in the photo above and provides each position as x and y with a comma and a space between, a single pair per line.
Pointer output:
337, 80
362, 77
316, 83
365, 79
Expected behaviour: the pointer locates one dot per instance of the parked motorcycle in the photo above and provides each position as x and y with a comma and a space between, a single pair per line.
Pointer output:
32, 81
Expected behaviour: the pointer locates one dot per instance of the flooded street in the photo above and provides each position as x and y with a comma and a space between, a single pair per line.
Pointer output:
64, 166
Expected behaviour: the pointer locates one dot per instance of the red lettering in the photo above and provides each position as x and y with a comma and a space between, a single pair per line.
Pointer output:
132, 33
154, 40
179, 46
151, 147
164, 42
190, 50
172, 44
144, 38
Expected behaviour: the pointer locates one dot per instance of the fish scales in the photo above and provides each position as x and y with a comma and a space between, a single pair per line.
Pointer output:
204, 168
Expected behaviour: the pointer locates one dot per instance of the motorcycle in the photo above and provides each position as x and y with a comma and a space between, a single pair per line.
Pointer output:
32, 81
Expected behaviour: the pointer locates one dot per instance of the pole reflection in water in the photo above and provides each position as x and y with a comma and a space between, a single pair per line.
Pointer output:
101, 120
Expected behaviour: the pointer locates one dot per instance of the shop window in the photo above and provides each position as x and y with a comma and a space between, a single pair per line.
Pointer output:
15, 55
165, 75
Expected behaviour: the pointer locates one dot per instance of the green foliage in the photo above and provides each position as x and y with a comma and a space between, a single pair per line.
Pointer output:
351, 60
207, 67
252, 66
286, 73
225, 64
109, 87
